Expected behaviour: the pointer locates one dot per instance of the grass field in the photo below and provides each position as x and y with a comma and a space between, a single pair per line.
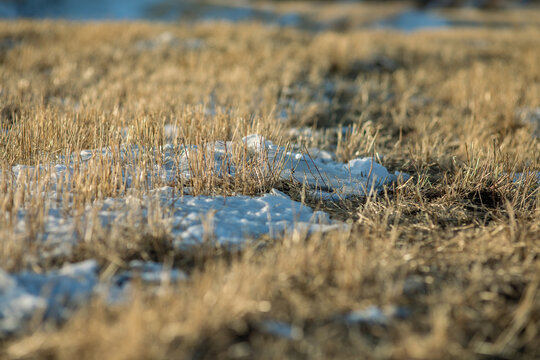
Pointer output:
444, 264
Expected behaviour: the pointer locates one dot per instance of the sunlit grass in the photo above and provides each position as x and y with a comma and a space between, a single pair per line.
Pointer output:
441, 106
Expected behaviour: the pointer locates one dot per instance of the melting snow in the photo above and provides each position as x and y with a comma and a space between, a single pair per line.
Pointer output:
374, 315
320, 171
54, 295
413, 20
316, 168
189, 220
227, 220
519, 178
232, 220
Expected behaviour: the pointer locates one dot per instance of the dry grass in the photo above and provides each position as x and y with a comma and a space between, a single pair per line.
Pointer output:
458, 244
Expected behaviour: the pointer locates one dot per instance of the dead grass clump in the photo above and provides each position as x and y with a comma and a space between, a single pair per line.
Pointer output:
238, 170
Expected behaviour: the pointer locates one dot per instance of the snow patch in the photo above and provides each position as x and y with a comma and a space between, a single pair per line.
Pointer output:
55, 295
232, 220
519, 178
52, 296
358, 177
374, 315
413, 20
194, 219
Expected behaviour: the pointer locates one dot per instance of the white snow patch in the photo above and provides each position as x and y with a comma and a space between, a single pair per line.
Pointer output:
317, 168
192, 219
232, 220
53, 296
357, 177
188, 220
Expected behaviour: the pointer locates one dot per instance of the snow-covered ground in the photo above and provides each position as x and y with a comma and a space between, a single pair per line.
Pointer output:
413, 20
161, 10
190, 219
316, 168
53, 296
187, 220
28, 298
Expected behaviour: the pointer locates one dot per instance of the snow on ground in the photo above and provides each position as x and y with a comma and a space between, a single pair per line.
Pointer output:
53, 296
520, 178
316, 168
374, 315
283, 330
319, 171
188, 220
191, 219
370, 316
234, 219
413, 20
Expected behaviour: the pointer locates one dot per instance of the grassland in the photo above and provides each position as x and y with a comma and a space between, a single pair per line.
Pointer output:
458, 244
